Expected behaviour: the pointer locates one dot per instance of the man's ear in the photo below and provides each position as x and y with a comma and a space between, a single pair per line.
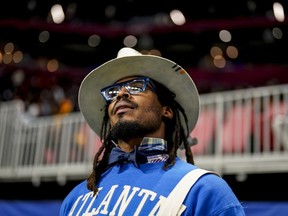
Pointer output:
167, 112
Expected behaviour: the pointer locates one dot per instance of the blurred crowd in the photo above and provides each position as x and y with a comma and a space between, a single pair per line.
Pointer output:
43, 94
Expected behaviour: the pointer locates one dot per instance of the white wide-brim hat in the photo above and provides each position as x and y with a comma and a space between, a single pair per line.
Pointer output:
128, 63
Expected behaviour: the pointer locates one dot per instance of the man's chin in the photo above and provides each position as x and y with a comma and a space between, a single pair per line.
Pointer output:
126, 128
124, 113
125, 116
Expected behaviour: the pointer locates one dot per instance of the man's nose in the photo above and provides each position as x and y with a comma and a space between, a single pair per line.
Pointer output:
123, 93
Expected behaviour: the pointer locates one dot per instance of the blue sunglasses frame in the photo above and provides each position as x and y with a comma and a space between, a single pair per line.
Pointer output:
115, 88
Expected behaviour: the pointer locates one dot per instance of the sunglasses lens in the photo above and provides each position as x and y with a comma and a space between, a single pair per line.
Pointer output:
111, 92
136, 86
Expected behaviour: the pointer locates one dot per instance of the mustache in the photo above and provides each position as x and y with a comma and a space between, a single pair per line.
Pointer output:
129, 103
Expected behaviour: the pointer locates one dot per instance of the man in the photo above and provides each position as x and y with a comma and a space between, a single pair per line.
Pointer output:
148, 106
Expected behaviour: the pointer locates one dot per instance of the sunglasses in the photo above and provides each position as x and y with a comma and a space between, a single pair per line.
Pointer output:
134, 86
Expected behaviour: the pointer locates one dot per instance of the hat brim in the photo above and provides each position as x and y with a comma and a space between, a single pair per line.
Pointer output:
164, 71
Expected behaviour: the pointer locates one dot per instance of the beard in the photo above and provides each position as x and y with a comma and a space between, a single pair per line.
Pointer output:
131, 129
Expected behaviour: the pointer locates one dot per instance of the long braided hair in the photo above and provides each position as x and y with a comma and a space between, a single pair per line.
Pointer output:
174, 135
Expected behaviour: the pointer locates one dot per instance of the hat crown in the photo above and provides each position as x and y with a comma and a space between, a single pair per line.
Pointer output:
127, 51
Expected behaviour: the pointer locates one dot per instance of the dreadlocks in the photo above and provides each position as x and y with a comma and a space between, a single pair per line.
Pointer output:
174, 135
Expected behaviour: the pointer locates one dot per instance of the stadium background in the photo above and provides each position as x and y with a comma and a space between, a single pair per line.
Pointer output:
49, 55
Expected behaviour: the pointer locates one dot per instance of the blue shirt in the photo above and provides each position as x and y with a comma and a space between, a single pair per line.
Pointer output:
125, 189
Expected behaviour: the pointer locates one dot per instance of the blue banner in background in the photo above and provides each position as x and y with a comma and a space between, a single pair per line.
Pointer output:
29, 208
269, 208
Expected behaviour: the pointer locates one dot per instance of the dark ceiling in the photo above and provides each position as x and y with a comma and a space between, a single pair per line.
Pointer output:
251, 24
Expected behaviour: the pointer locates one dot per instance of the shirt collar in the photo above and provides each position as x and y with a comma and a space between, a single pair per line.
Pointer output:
150, 144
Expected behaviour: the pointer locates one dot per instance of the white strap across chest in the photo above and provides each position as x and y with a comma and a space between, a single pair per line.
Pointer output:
173, 202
